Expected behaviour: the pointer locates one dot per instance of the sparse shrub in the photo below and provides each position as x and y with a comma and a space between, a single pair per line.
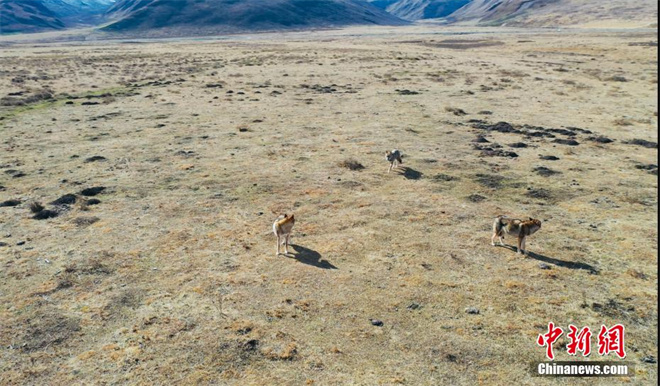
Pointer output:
623, 122
36, 207
616, 78
455, 111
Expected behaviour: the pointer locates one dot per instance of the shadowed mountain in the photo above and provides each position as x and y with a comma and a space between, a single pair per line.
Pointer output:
79, 12
197, 17
27, 16
420, 9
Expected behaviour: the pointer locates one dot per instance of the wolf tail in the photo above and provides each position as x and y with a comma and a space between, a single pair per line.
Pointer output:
497, 225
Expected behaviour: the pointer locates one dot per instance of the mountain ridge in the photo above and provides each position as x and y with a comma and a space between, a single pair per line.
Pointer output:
178, 17
420, 9
17, 16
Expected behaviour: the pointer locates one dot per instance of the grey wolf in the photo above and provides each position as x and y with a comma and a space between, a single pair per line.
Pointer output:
394, 157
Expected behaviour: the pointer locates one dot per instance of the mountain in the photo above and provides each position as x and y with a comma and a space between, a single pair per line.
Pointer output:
197, 17
552, 13
27, 16
528, 13
79, 12
382, 4
420, 9
123, 8
499, 11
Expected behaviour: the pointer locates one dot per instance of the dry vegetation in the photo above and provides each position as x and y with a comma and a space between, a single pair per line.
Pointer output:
141, 181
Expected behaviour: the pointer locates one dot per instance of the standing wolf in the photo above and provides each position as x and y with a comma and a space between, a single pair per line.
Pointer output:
282, 228
515, 227
394, 157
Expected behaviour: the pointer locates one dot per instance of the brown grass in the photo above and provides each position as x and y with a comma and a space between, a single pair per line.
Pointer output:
172, 277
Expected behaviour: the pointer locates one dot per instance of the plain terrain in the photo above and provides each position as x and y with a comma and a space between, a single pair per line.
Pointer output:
172, 278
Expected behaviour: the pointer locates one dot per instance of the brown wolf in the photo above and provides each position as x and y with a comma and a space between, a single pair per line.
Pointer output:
282, 228
515, 227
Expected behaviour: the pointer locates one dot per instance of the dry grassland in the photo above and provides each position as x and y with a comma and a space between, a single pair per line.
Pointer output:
171, 277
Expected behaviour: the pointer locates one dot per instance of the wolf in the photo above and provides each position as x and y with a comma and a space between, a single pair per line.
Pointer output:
515, 227
394, 157
282, 228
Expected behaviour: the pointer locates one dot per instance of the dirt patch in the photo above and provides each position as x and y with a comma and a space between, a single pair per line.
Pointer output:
545, 172
48, 328
45, 214
539, 193
351, 164
642, 143
488, 151
461, 44
490, 181
92, 266
34, 98
650, 168
85, 221
407, 92
95, 158
456, 111
67, 199
443, 178
600, 139
475, 198
615, 309
569, 142
92, 191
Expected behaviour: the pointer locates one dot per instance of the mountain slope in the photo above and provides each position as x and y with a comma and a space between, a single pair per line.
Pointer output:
498, 11
79, 12
27, 16
550, 13
420, 9
123, 8
179, 17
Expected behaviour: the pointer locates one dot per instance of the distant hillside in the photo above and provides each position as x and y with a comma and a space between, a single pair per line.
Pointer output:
550, 13
527, 13
27, 16
182, 17
420, 9
499, 11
